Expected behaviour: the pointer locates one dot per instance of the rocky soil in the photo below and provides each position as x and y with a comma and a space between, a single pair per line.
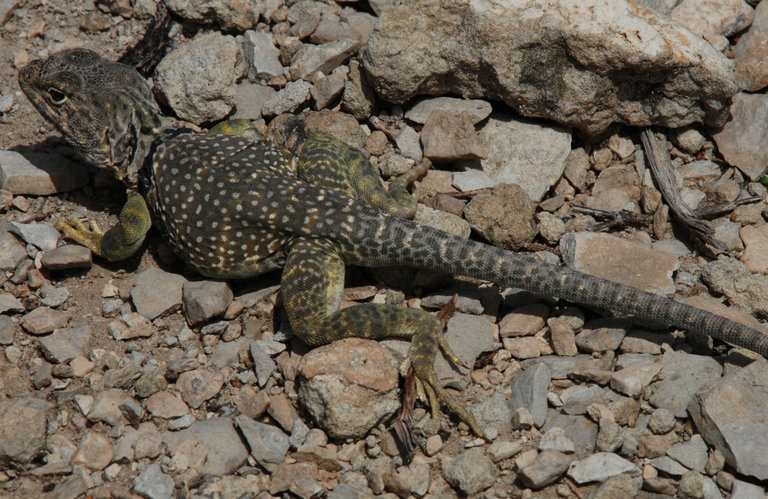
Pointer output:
140, 379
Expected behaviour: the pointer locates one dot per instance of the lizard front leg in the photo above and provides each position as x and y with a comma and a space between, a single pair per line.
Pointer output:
119, 242
312, 285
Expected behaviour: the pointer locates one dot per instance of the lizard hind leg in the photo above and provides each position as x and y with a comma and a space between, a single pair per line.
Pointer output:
329, 162
312, 285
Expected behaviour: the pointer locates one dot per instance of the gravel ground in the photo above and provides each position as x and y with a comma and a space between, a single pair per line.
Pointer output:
138, 378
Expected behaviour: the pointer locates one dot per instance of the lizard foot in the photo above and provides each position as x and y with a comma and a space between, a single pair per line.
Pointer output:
90, 236
409, 177
428, 388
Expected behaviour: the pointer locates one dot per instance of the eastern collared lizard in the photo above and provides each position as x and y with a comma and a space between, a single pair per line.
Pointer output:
236, 207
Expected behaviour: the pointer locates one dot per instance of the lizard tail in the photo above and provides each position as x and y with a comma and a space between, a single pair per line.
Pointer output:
402, 242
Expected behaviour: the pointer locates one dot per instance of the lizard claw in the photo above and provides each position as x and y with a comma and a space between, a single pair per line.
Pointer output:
89, 236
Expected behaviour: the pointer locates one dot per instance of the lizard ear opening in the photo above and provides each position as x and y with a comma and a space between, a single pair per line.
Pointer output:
56, 96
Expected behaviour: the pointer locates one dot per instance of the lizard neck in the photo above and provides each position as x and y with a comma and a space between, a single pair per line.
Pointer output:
135, 131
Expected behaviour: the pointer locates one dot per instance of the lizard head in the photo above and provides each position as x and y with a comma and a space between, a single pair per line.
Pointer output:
104, 109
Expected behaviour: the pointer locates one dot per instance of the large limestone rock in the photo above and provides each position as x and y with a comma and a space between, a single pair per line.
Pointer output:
586, 63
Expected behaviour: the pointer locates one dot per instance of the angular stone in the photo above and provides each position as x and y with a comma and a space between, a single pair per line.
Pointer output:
23, 427
204, 300
218, 445
620, 260
729, 413
197, 80
477, 110
529, 390
524, 321
262, 55
12, 252
65, 344
756, 247
466, 346
153, 483
39, 174
131, 325
515, 148
742, 288
9, 303
691, 454
106, 406
738, 140
470, 472
683, 374
43, 236
69, 256
156, 292
600, 467
43, 320
601, 335
632, 380
326, 90
349, 386
447, 137
263, 364
199, 385
325, 58
545, 469
751, 66
713, 17
166, 405
288, 99
94, 452
268, 444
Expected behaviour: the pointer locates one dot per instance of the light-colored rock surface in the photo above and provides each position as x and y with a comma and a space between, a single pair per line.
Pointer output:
570, 61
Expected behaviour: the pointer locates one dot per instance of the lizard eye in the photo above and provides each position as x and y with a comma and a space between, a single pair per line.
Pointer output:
56, 96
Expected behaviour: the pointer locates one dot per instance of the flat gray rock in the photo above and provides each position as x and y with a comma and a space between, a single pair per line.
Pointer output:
42, 236
739, 138
156, 292
23, 426
11, 251
529, 390
262, 55
476, 109
69, 256
468, 336
325, 57
606, 256
472, 179
39, 174
683, 374
65, 344
268, 444
599, 467
153, 483
223, 448
545, 469
524, 153
691, 454
731, 413
578, 429
205, 300
9, 303
471, 472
